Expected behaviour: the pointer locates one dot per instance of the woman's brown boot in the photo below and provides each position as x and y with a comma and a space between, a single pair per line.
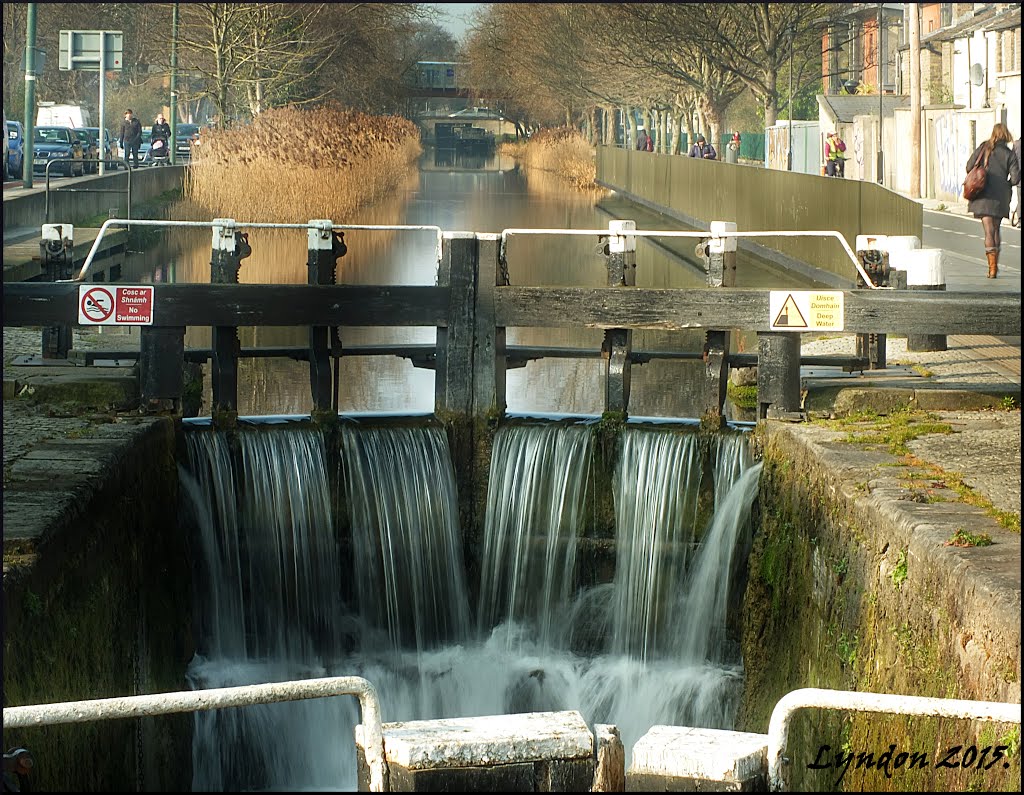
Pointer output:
993, 263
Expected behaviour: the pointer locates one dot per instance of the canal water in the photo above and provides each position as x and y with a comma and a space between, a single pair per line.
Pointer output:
279, 597
476, 194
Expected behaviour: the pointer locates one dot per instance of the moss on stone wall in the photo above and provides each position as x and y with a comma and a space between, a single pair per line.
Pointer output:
103, 610
835, 603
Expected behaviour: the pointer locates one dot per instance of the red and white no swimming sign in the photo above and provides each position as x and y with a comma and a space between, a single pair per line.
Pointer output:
100, 305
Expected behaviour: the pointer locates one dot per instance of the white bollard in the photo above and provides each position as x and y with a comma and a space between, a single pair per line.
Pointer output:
925, 271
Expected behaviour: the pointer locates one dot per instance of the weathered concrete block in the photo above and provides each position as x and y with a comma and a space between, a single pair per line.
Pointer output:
540, 751
610, 775
683, 759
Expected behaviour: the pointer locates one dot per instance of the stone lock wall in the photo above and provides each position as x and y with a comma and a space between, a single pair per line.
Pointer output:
851, 588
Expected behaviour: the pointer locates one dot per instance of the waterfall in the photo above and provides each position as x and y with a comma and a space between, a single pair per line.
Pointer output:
278, 597
268, 591
400, 491
535, 501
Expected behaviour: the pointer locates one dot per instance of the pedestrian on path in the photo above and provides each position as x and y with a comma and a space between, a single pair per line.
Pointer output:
993, 204
1015, 218
835, 160
131, 137
703, 149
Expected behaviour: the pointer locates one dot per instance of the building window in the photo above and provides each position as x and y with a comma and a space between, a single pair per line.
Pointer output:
946, 14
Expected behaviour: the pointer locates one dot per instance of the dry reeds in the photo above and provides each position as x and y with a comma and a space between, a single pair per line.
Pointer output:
561, 150
291, 165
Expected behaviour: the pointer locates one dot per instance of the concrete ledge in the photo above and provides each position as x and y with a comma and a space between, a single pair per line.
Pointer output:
699, 755
532, 752
843, 399
495, 739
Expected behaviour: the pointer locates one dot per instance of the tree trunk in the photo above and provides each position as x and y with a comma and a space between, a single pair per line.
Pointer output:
677, 145
713, 115
663, 131
631, 120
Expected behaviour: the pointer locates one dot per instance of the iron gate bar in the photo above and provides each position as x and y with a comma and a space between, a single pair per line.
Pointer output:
816, 698
703, 236
245, 225
220, 698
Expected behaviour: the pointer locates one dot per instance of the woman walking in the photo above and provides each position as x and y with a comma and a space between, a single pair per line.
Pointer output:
993, 204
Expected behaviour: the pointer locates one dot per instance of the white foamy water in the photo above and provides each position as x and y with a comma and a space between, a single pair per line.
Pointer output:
658, 632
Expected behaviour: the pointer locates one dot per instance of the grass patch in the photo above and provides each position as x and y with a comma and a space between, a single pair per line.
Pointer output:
939, 478
899, 574
963, 538
892, 431
291, 165
744, 397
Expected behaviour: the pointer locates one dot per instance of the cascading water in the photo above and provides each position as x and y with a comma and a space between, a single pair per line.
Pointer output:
648, 648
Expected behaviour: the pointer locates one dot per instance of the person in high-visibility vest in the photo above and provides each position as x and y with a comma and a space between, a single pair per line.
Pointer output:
835, 161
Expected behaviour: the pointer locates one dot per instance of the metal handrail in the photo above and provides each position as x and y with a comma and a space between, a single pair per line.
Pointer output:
241, 225
46, 206
815, 698
704, 235
220, 698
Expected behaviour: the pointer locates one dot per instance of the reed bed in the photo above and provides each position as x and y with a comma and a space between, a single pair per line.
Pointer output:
291, 165
562, 151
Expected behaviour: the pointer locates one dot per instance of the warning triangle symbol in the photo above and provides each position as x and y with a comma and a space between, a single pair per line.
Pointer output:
789, 316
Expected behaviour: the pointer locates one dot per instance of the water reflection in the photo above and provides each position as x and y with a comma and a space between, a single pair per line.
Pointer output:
479, 195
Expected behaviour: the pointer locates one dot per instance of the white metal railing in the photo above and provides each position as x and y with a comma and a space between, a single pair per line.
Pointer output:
219, 698
504, 236
704, 235
238, 225
815, 698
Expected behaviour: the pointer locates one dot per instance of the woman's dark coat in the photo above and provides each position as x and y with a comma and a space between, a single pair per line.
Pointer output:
1003, 172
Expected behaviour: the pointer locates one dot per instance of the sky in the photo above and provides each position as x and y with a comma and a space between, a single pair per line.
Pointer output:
456, 16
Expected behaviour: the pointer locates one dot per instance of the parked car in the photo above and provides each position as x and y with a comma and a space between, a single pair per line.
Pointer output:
145, 158
90, 150
184, 136
58, 143
15, 148
109, 145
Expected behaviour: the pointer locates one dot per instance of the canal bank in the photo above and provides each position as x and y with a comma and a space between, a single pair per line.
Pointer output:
868, 597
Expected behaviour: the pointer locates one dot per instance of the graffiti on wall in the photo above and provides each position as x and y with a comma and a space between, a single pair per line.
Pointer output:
950, 155
776, 147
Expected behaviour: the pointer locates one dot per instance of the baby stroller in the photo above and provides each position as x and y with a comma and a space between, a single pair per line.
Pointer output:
159, 151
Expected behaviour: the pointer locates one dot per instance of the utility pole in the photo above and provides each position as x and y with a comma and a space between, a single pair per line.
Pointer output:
30, 97
174, 85
914, 20
878, 70
789, 128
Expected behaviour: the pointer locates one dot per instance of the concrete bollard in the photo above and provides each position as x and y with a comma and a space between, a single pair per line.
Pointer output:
530, 752
682, 759
925, 271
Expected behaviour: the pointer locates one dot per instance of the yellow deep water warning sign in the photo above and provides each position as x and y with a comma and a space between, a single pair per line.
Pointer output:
805, 310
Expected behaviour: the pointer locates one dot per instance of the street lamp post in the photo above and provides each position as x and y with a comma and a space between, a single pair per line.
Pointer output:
878, 69
789, 129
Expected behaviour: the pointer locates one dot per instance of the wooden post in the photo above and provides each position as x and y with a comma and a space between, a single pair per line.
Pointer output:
721, 273
161, 368
875, 262
778, 374
230, 247
618, 342
55, 249
324, 247
453, 372
489, 343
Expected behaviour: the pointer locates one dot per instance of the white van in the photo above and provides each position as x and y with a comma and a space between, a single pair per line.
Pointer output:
53, 114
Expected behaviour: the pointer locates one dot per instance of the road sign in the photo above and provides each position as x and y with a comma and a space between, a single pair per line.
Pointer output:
80, 49
115, 306
806, 310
